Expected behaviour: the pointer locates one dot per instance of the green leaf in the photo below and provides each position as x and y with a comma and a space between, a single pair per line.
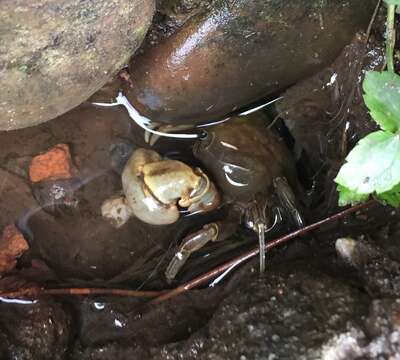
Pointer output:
382, 97
373, 166
391, 197
348, 197
392, 2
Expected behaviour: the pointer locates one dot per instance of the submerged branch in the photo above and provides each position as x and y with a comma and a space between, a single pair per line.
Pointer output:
34, 292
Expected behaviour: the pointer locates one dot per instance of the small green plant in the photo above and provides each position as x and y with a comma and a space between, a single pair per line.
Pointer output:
373, 166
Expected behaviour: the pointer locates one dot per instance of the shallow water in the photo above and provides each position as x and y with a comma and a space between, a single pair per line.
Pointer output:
62, 222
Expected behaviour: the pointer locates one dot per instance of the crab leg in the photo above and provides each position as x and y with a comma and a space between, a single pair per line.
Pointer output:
261, 229
191, 243
256, 219
212, 232
288, 200
261, 241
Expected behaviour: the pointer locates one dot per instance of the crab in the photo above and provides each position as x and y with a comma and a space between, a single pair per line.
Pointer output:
251, 168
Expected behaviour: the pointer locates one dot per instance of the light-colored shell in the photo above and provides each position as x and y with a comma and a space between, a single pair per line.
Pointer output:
155, 188
143, 204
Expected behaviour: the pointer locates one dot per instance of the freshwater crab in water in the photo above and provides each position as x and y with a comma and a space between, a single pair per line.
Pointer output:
251, 167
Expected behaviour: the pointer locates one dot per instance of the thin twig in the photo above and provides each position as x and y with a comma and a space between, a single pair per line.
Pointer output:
371, 23
390, 37
34, 292
254, 252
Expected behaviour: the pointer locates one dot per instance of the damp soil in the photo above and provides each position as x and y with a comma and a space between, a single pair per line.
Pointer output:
315, 301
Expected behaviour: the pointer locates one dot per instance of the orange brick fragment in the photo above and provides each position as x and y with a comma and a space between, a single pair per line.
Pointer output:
12, 246
55, 164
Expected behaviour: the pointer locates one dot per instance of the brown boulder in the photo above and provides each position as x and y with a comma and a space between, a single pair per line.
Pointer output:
239, 52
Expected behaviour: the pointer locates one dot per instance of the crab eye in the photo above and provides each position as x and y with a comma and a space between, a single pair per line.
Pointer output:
206, 141
203, 135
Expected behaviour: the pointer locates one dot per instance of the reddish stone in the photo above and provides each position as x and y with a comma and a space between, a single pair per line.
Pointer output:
12, 246
55, 164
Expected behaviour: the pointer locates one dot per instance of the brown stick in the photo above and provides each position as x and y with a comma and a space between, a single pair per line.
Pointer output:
254, 252
33, 292
373, 18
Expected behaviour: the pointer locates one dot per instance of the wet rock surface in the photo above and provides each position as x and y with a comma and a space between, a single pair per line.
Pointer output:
261, 47
291, 314
30, 332
284, 315
112, 351
379, 338
377, 270
170, 16
55, 54
295, 314
127, 322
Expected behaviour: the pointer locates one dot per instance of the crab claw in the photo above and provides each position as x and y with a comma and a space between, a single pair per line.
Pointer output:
262, 229
190, 244
155, 188
256, 219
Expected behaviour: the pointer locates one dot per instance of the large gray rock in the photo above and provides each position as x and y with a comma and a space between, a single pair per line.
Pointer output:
55, 54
